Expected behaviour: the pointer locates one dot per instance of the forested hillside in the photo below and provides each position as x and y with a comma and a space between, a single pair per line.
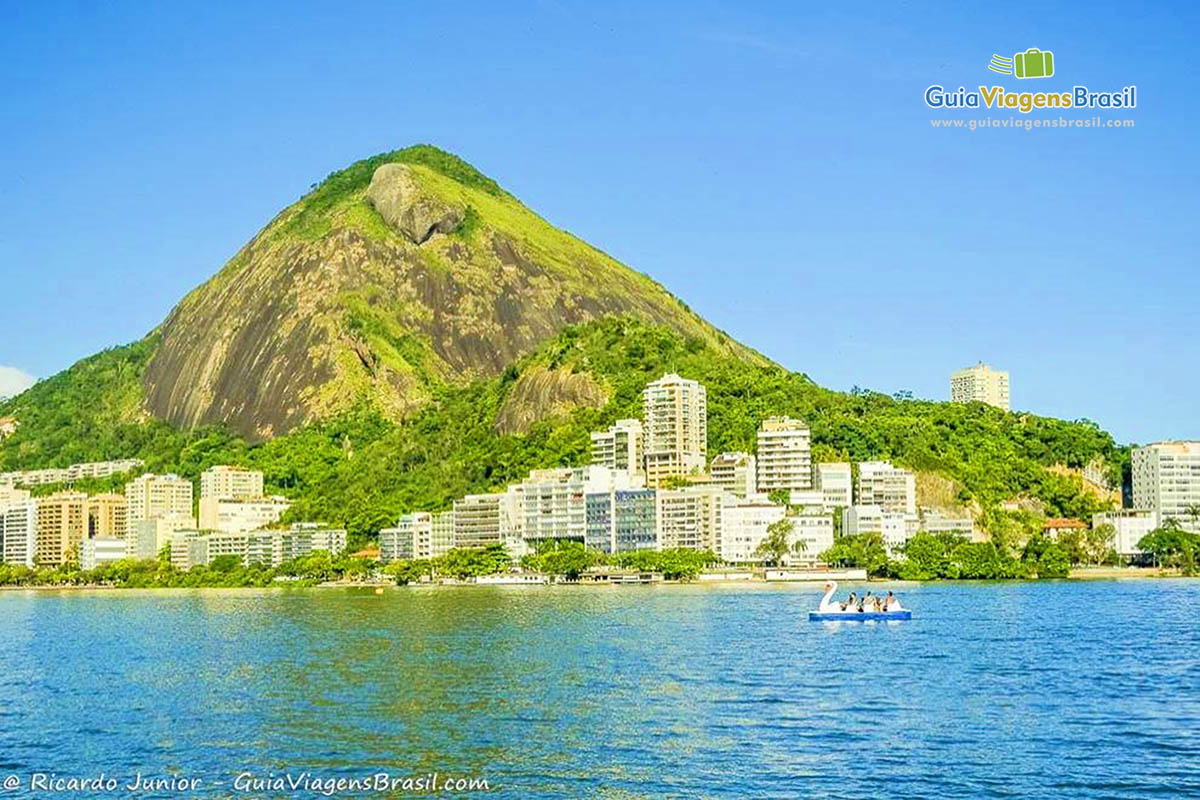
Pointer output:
362, 469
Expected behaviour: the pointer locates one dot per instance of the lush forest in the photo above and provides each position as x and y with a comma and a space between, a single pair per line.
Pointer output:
362, 470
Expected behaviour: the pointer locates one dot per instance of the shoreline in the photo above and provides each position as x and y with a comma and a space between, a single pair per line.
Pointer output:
1082, 574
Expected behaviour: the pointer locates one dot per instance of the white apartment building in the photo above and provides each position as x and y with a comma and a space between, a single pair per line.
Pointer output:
834, 481
676, 427
552, 503
815, 530
896, 527
1166, 479
230, 483
690, 517
621, 448
736, 473
252, 547
149, 496
982, 384
271, 548
744, 525
18, 530
443, 533
933, 521
891, 488
411, 538
784, 455
239, 516
100, 550
90, 469
304, 538
147, 537
477, 520
1130, 525
189, 548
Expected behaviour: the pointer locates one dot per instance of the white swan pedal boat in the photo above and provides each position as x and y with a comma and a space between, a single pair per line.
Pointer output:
830, 610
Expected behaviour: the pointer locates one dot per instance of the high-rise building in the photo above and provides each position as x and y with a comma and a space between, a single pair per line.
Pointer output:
151, 496
18, 531
891, 488
784, 455
690, 518
411, 538
833, 480
621, 449
622, 520
229, 484
1166, 479
735, 473
442, 540
676, 427
982, 384
551, 503
62, 522
477, 520
107, 516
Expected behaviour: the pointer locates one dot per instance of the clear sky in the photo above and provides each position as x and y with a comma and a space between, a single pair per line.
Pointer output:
772, 164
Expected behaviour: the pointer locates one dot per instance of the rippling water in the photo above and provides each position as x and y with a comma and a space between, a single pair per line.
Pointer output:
1014, 689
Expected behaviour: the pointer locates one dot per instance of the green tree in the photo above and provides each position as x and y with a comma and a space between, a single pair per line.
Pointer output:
776, 544
1172, 546
861, 551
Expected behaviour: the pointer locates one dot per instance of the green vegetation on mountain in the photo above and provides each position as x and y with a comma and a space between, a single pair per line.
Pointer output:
362, 469
408, 333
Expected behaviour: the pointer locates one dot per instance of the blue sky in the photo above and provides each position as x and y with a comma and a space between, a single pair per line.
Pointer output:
772, 164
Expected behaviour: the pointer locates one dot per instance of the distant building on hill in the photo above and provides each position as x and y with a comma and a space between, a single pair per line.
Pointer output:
981, 384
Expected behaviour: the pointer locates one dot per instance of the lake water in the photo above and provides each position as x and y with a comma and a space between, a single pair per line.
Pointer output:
1053, 689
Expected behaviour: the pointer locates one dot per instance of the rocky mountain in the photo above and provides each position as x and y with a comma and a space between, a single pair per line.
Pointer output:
409, 332
396, 276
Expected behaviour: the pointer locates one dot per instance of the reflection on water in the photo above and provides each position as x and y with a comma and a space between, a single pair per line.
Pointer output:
1051, 689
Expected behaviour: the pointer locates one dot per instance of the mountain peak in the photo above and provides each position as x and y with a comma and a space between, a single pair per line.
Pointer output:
403, 272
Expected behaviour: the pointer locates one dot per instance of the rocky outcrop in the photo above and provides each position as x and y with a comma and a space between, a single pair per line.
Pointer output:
543, 393
398, 197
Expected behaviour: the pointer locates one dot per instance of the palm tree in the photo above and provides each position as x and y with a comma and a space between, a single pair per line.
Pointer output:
1193, 511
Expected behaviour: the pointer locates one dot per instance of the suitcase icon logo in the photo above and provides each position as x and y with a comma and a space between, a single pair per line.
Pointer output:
1033, 63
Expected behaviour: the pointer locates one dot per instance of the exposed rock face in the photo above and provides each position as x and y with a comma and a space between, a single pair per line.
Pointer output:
353, 297
543, 393
398, 197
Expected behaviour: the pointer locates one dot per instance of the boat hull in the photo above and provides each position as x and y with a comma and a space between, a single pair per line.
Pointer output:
857, 616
